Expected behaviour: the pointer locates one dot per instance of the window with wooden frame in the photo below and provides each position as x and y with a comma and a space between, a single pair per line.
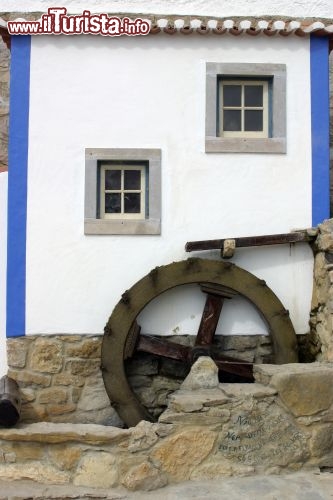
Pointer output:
243, 108
123, 191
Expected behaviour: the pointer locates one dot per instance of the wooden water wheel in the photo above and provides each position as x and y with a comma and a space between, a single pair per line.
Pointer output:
220, 281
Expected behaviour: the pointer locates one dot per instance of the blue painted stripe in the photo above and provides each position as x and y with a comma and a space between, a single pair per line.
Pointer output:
320, 128
17, 183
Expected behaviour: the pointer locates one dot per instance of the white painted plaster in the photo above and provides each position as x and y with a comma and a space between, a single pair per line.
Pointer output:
149, 92
3, 269
222, 8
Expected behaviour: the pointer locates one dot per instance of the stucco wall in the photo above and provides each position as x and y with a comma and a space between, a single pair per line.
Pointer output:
149, 92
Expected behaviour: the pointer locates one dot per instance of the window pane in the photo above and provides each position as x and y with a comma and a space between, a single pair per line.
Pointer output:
132, 179
253, 95
112, 179
112, 203
253, 121
232, 95
132, 203
231, 120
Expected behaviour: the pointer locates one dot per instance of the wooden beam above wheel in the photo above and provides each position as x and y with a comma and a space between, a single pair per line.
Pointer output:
251, 241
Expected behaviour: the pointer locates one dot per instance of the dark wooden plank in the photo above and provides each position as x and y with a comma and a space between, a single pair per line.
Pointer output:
243, 369
209, 320
250, 241
161, 347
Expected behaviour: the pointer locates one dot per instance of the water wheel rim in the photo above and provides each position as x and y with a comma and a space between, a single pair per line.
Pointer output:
164, 278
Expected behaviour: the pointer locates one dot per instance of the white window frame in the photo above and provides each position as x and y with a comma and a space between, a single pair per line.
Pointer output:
150, 224
264, 108
122, 191
276, 142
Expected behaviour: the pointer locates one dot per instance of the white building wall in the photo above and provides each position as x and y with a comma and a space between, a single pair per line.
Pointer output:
149, 92
3, 269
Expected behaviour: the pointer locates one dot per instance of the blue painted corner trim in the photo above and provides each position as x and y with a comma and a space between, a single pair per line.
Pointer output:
320, 129
17, 184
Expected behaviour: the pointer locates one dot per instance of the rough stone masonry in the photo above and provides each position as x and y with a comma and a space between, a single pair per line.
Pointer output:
280, 423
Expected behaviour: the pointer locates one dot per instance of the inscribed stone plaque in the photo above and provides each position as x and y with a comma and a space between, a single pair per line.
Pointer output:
257, 437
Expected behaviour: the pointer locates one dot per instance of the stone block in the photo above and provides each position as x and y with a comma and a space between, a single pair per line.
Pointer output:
47, 432
239, 342
76, 394
64, 457
143, 437
164, 383
27, 395
84, 367
144, 477
25, 451
17, 350
203, 375
46, 356
260, 433
25, 377
10, 458
69, 338
97, 470
221, 468
66, 378
93, 396
204, 419
139, 381
145, 365
185, 403
179, 454
257, 391
188, 400
89, 349
31, 412
321, 442
53, 395
305, 389
324, 242
35, 471
105, 416
59, 409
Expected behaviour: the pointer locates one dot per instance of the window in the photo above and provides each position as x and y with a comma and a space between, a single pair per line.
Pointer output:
245, 108
123, 191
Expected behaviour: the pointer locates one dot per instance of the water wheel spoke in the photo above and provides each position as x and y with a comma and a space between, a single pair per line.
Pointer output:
162, 347
209, 320
212, 311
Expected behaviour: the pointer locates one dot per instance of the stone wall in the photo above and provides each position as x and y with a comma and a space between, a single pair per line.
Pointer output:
60, 378
321, 317
280, 423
